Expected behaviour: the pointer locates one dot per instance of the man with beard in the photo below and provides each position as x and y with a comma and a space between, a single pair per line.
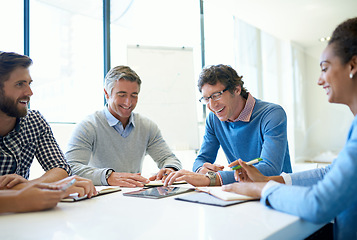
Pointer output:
25, 134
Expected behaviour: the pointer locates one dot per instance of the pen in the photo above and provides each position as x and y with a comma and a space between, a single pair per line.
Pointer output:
65, 187
254, 161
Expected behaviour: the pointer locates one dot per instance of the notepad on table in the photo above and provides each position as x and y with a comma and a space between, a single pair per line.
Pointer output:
100, 189
226, 196
208, 199
215, 196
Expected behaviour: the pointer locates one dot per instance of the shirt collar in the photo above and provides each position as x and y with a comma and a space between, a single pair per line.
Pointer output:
246, 113
112, 121
17, 124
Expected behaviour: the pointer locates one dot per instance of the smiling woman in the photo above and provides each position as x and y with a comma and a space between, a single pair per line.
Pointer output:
335, 77
326, 194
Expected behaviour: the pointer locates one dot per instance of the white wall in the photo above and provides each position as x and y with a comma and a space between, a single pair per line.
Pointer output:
167, 95
327, 124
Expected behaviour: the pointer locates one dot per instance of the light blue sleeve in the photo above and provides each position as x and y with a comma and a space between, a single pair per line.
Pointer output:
310, 177
329, 197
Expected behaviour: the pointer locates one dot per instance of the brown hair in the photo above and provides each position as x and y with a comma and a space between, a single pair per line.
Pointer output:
224, 74
9, 61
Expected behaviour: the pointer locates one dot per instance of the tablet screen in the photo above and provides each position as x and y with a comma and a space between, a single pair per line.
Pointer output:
158, 192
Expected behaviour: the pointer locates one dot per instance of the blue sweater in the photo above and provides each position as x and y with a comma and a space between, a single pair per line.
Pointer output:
322, 194
264, 136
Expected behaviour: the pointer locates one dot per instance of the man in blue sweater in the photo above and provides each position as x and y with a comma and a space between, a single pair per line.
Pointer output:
245, 127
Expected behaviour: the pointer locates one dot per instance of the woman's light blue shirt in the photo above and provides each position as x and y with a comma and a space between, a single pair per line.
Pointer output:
325, 194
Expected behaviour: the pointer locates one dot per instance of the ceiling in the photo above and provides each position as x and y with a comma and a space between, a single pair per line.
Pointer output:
301, 21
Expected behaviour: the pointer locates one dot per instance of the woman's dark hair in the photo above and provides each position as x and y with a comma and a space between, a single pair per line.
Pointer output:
344, 40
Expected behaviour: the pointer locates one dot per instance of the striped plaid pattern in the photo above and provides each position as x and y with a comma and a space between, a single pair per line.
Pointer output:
31, 137
246, 113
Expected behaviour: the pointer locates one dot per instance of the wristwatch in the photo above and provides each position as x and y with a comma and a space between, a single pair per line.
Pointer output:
212, 178
107, 175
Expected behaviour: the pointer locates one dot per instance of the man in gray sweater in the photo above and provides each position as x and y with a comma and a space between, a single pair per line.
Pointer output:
109, 146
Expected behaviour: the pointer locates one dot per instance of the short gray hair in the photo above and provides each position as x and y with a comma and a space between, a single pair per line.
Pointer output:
117, 73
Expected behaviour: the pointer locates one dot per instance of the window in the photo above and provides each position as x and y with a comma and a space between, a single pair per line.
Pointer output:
168, 60
66, 45
12, 25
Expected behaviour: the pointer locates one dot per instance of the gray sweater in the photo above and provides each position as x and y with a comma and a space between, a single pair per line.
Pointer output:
95, 147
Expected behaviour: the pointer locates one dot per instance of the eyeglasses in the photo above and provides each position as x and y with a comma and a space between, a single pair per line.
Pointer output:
215, 96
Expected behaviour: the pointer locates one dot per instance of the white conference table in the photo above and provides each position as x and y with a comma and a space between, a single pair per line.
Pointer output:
114, 216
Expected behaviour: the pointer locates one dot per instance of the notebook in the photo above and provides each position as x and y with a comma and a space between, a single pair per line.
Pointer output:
100, 189
215, 196
205, 198
226, 196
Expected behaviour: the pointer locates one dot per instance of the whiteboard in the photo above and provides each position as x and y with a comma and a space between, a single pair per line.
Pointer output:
167, 94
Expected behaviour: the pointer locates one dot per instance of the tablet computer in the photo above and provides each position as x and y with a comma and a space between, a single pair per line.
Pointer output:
158, 192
